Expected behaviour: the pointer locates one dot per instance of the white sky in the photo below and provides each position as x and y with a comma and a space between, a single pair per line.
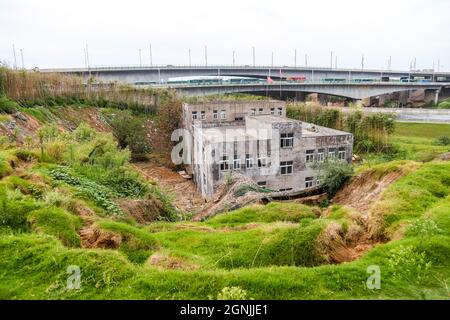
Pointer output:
54, 33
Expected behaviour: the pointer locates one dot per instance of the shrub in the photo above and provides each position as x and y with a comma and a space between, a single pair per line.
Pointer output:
130, 132
58, 223
423, 229
444, 105
334, 174
54, 151
83, 133
408, 263
443, 141
7, 105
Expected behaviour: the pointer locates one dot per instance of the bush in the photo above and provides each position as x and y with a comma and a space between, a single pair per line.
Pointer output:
406, 262
54, 151
334, 174
58, 223
130, 132
7, 105
443, 141
444, 105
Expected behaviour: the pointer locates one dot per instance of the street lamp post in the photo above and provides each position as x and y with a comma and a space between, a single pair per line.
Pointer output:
189, 57
206, 56
253, 56
295, 58
151, 55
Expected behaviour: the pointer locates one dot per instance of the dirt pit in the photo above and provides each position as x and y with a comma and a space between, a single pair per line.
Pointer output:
184, 192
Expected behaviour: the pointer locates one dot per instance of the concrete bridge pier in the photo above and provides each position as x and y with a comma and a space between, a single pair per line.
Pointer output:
436, 96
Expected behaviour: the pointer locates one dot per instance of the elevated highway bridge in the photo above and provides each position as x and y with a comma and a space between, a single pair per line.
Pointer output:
380, 82
162, 74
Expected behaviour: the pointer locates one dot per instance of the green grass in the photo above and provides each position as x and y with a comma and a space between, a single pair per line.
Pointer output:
267, 251
422, 130
136, 243
274, 211
58, 223
272, 251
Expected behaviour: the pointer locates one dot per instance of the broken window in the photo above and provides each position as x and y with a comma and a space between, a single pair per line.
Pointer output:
194, 115
202, 115
261, 161
309, 182
215, 115
223, 114
253, 111
272, 111
286, 167
224, 163
309, 156
262, 184
341, 155
280, 111
248, 161
236, 162
261, 110
285, 189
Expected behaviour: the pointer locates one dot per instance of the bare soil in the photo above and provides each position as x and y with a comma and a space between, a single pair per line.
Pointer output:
184, 192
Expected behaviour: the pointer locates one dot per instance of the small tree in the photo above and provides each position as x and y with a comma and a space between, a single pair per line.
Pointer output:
130, 132
334, 174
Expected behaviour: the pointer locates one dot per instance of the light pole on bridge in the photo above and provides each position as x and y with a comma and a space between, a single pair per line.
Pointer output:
295, 58
140, 58
151, 55
253, 56
206, 56
189, 57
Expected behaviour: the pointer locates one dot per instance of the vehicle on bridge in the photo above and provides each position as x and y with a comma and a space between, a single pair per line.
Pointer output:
296, 79
334, 80
407, 79
363, 80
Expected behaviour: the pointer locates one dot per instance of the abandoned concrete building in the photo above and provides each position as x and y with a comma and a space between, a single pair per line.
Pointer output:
254, 138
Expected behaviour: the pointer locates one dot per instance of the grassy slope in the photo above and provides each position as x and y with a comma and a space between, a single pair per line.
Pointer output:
42, 260
264, 250
418, 140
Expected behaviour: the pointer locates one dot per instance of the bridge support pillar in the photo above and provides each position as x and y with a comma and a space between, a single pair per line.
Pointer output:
436, 96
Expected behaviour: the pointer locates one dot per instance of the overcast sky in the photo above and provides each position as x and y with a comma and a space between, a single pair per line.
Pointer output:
54, 33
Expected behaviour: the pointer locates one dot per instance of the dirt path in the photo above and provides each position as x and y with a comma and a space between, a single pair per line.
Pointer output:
185, 194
